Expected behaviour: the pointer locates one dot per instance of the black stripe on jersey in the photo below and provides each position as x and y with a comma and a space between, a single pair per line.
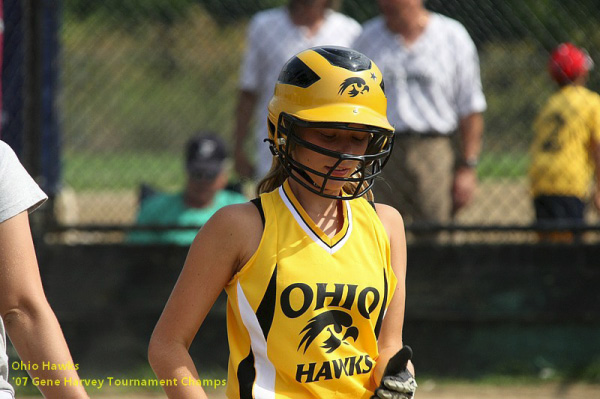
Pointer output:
246, 374
383, 305
258, 204
266, 309
308, 226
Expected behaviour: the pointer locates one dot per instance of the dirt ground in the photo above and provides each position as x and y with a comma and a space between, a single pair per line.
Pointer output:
431, 390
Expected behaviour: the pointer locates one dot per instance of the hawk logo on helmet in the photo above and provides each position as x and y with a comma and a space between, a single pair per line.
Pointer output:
359, 86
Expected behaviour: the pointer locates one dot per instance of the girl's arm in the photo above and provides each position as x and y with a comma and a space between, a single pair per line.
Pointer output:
222, 246
29, 320
390, 336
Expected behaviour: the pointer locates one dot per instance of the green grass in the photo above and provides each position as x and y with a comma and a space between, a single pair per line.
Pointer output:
122, 170
503, 165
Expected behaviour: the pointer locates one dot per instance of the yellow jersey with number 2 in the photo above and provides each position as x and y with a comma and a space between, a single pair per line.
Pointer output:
560, 154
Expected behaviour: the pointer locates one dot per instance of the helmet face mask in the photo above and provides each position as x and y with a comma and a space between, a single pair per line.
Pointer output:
330, 88
368, 165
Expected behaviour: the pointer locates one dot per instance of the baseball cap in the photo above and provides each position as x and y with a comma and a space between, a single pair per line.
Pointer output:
568, 62
205, 155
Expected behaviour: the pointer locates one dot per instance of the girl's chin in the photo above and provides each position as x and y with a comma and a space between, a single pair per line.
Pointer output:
333, 188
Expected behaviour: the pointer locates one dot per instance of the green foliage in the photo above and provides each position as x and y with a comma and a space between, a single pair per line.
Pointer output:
547, 21
550, 21
589, 372
166, 11
230, 11
130, 11
146, 86
516, 85
132, 96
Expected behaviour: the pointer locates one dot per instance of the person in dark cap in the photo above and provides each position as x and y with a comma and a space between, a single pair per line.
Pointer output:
206, 160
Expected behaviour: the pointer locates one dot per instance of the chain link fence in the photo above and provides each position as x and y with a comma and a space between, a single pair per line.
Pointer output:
136, 78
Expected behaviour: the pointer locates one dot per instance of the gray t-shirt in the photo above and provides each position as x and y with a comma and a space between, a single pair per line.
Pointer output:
18, 193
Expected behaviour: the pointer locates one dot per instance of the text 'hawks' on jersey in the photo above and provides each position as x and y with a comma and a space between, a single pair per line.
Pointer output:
304, 313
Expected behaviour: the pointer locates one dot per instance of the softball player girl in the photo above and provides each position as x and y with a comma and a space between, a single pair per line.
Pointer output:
314, 272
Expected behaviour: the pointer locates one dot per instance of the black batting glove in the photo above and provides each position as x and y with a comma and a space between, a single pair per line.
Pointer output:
397, 382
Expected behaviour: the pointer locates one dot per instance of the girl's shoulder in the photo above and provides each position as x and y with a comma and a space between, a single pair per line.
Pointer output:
238, 218
387, 211
390, 218
239, 227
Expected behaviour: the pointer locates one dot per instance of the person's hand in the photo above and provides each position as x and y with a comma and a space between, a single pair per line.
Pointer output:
397, 382
243, 167
463, 189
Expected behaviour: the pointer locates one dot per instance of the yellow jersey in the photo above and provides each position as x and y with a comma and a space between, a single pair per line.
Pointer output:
560, 153
304, 313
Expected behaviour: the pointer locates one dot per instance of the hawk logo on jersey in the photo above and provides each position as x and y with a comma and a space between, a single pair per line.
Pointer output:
335, 319
331, 327
358, 86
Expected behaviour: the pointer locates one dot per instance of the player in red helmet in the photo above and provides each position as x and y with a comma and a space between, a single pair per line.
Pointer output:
567, 63
565, 153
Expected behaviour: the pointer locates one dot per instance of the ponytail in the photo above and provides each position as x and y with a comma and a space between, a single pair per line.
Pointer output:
275, 178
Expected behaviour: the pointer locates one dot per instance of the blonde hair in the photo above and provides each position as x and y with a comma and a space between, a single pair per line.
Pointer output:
275, 178
277, 175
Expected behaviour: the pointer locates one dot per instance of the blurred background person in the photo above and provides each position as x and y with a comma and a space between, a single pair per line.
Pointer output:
30, 322
206, 161
433, 85
274, 36
565, 153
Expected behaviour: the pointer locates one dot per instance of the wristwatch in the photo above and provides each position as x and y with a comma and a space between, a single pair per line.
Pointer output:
469, 162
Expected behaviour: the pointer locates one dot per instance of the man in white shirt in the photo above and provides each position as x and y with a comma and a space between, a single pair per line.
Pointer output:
432, 80
274, 36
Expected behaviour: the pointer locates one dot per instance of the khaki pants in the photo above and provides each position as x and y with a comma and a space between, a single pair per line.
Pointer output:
418, 177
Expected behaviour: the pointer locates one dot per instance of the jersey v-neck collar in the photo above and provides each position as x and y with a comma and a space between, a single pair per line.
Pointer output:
329, 244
